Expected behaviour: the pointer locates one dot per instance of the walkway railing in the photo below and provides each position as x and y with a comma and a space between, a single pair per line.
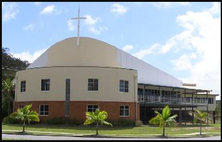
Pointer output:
154, 98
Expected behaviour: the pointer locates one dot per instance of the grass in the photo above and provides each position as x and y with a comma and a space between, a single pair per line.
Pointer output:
143, 131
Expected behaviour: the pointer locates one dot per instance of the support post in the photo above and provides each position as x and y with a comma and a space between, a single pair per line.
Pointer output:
207, 107
180, 116
160, 95
185, 107
192, 111
214, 117
173, 100
192, 117
144, 105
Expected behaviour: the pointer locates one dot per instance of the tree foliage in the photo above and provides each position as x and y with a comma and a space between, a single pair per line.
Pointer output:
98, 117
200, 117
164, 119
26, 115
7, 87
218, 109
11, 64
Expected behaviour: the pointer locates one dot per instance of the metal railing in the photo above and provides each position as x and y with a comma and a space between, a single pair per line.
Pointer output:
168, 100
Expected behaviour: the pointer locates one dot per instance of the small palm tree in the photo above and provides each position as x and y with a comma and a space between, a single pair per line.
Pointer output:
98, 117
201, 116
25, 115
164, 119
7, 86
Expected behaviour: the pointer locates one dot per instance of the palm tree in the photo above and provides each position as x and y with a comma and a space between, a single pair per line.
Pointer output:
8, 86
164, 119
25, 114
201, 116
98, 117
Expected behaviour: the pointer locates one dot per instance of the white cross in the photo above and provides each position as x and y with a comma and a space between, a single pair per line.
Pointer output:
78, 18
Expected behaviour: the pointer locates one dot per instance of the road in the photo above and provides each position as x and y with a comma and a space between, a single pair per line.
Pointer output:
32, 137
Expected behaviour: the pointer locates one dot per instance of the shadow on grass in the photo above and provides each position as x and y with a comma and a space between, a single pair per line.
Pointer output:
70, 127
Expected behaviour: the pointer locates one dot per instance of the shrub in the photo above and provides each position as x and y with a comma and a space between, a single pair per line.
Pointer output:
62, 121
11, 120
73, 122
123, 123
55, 121
138, 123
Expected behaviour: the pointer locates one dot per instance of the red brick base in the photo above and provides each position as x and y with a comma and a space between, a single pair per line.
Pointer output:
78, 109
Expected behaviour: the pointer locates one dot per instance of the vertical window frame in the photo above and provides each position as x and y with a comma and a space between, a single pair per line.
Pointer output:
43, 113
124, 86
124, 109
23, 86
93, 84
93, 108
45, 85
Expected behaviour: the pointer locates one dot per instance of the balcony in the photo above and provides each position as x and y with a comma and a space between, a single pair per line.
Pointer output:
177, 100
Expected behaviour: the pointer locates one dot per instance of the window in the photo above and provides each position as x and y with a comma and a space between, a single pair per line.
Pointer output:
123, 86
21, 106
45, 86
210, 100
23, 86
93, 84
198, 100
67, 96
203, 100
188, 99
44, 110
67, 89
92, 108
124, 111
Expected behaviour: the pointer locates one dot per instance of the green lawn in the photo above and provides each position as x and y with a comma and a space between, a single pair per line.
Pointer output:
144, 131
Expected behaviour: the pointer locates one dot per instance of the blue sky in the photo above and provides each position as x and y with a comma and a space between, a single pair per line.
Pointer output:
182, 39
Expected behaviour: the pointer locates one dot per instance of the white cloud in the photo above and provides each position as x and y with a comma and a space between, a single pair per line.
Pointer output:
169, 4
48, 10
29, 27
91, 22
70, 25
9, 11
170, 44
37, 3
147, 51
127, 48
29, 57
97, 31
119, 9
215, 9
201, 42
203, 36
184, 62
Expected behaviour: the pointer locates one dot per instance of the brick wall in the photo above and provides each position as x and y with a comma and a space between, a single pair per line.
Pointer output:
78, 109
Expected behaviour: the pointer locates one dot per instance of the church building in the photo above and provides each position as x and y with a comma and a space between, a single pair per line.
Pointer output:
77, 75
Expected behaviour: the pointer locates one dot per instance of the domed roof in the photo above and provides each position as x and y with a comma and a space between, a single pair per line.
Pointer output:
90, 52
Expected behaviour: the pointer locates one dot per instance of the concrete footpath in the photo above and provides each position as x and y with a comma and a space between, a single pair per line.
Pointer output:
32, 137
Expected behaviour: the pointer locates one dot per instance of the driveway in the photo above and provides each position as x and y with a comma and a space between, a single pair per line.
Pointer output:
32, 137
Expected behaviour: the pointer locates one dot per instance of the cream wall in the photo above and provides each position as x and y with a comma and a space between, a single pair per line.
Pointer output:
108, 84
